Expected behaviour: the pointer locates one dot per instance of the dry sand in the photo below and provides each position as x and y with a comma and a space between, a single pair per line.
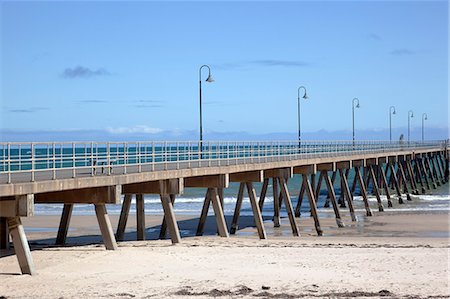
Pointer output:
390, 254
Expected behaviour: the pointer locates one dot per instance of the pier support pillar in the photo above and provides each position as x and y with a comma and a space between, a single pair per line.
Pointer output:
403, 178
363, 191
4, 233
237, 209
347, 194
430, 172
330, 188
140, 217
262, 196
301, 194
21, 246
424, 172
385, 185
105, 227
288, 205
375, 188
125, 211
276, 203
204, 213
246, 181
169, 220
397, 187
327, 201
64, 224
169, 208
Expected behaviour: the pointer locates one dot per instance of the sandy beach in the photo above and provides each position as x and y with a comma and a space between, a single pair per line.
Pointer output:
387, 255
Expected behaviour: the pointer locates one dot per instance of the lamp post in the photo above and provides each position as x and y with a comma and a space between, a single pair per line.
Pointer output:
353, 116
410, 115
305, 96
424, 118
209, 79
391, 112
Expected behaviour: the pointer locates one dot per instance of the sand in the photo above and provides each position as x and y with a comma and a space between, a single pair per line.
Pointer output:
390, 255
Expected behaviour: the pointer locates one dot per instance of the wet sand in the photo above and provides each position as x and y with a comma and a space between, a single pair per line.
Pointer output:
387, 255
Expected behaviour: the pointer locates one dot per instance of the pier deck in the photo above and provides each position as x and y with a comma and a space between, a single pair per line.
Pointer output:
69, 173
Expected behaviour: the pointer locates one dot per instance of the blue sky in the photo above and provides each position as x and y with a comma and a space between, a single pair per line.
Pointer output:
130, 68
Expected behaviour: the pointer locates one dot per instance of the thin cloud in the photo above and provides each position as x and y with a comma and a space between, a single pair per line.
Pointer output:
274, 62
402, 52
92, 101
262, 63
375, 36
84, 72
148, 106
135, 129
27, 110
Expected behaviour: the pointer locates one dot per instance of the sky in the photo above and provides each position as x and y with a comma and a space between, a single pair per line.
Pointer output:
121, 70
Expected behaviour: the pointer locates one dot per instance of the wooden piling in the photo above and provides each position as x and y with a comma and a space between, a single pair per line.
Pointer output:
64, 224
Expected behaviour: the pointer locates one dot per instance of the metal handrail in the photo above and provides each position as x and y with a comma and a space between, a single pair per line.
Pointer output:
94, 158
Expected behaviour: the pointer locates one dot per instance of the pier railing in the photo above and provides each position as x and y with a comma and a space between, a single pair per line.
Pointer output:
53, 160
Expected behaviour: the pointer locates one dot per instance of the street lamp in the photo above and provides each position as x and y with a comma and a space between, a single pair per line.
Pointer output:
410, 115
353, 116
305, 96
209, 79
391, 112
424, 118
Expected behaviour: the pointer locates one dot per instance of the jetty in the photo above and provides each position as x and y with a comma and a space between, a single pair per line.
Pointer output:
101, 173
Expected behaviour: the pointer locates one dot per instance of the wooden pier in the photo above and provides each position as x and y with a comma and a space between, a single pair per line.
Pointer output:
410, 169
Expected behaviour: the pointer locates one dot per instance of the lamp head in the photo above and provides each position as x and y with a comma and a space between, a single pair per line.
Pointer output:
412, 114
209, 79
305, 96
393, 112
357, 105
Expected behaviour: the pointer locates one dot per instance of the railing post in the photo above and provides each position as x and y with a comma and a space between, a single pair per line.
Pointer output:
125, 162
9, 163
138, 157
92, 159
108, 157
54, 161
32, 162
